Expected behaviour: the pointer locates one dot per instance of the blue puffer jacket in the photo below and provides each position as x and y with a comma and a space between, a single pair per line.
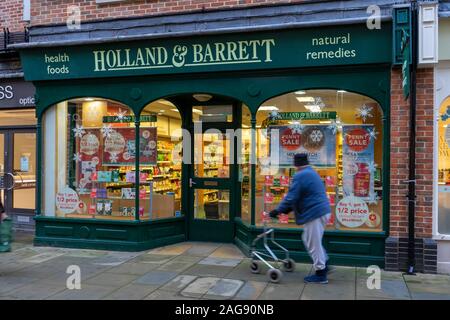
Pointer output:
306, 197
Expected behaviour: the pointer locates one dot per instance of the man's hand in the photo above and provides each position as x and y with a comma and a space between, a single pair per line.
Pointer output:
274, 213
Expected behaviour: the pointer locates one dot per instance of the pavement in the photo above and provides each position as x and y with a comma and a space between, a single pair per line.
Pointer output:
186, 271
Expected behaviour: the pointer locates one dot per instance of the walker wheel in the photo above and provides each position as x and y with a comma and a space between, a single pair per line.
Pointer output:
254, 267
289, 265
274, 275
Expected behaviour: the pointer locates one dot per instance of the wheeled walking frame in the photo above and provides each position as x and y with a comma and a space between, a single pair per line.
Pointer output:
274, 273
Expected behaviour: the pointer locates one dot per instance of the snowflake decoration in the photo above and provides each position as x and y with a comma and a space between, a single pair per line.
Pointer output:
316, 136
77, 157
333, 127
121, 114
446, 115
107, 130
372, 166
364, 112
79, 131
297, 128
373, 198
274, 115
113, 157
373, 133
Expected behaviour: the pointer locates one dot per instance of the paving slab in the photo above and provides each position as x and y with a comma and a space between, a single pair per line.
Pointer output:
115, 258
42, 257
156, 278
131, 292
203, 270
111, 279
429, 296
390, 289
199, 287
227, 251
334, 290
36, 291
341, 274
224, 289
226, 262
437, 288
134, 268
166, 295
175, 266
202, 249
153, 258
362, 274
10, 283
178, 283
281, 292
175, 249
251, 290
87, 292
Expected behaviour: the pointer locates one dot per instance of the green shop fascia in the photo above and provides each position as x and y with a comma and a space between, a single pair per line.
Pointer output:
327, 89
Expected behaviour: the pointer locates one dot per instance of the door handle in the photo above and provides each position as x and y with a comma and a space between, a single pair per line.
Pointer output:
191, 182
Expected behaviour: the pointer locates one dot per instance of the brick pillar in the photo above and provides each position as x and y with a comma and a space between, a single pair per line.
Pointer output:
397, 242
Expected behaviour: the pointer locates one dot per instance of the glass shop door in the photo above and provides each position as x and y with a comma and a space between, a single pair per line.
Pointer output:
211, 198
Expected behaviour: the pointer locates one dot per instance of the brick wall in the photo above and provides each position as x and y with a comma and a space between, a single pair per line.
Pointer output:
397, 243
11, 13
55, 11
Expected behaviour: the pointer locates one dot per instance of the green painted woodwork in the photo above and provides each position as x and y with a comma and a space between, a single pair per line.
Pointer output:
401, 23
293, 48
107, 234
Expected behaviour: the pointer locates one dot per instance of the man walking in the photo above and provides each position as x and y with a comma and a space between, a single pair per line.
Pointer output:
308, 199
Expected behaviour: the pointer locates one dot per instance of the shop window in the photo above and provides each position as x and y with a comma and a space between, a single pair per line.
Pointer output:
89, 155
245, 164
444, 168
24, 117
342, 134
160, 173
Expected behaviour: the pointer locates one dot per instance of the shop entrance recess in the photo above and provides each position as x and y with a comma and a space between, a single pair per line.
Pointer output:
213, 174
17, 170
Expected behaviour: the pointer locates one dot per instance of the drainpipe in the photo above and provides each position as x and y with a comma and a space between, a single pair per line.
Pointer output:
412, 144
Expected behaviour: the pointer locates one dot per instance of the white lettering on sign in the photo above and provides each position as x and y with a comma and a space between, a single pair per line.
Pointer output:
218, 53
56, 63
6, 92
339, 52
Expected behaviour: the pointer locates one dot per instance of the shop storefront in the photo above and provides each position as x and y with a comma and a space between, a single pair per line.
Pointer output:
18, 151
152, 142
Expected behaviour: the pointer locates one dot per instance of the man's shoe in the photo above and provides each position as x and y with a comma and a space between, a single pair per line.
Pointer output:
322, 279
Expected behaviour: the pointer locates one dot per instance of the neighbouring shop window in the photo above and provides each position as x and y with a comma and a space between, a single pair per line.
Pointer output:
245, 164
342, 134
444, 168
14, 117
160, 179
88, 155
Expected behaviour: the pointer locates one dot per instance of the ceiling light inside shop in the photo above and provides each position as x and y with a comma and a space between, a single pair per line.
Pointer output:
162, 110
300, 92
268, 108
197, 111
89, 99
341, 91
174, 109
328, 121
202, 97
305, 99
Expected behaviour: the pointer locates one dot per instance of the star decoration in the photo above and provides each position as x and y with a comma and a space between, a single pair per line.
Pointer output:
121, 114
77, 157
333, 127
372, 166
364, 112
107, 130
373, 133
274, 115
297, 128
79, 131
113, 157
